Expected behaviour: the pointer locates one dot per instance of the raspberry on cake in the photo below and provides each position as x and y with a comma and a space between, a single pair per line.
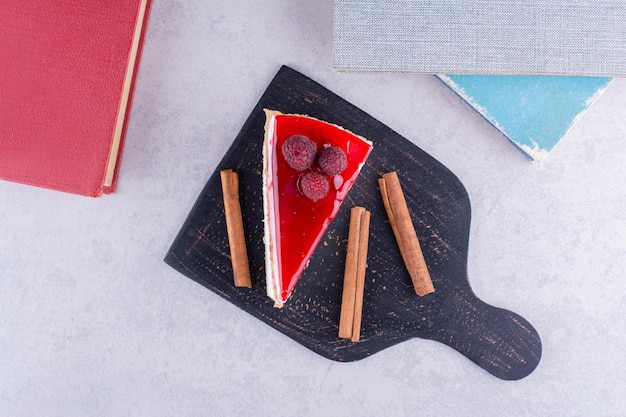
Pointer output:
313, 185
308, 168
299, 152
332, 160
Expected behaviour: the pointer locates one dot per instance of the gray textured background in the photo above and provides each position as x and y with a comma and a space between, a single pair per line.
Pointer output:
547, 37
92, 322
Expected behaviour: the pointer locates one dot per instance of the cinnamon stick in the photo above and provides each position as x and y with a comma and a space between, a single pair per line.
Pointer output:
404, 231
234, 226
354, 275
364, 231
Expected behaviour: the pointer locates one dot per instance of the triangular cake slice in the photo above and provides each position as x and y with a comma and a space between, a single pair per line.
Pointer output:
309, 167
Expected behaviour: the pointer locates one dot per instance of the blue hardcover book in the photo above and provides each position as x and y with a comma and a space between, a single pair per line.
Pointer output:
533, 112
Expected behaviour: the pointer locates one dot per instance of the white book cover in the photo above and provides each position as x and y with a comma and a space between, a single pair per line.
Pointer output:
503, 37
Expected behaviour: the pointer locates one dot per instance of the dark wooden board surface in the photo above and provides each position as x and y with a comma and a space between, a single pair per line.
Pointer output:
498, 340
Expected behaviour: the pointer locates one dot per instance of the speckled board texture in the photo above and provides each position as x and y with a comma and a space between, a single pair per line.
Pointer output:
500, 341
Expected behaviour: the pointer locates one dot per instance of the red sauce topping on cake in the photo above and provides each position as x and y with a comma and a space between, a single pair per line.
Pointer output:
303, 221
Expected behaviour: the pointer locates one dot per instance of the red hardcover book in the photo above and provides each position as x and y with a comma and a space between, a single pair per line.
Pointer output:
67, 72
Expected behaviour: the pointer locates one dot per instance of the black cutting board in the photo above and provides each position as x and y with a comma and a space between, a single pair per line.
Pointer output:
500, 341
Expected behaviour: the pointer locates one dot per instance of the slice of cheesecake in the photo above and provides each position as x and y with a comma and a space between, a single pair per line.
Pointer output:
308, 168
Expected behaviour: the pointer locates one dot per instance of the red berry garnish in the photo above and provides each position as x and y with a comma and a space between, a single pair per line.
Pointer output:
299, 152
332, 160
313, 185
